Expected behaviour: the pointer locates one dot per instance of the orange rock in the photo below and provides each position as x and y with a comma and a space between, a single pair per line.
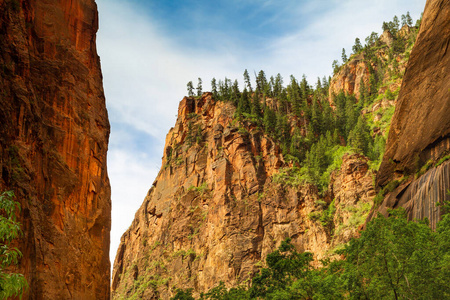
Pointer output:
215, 212
53, 141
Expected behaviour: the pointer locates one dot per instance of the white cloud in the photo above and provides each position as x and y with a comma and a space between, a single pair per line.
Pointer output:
146, 69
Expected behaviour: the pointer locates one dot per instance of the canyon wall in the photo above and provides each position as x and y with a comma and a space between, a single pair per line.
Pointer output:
419, 138
53, 141
221, 202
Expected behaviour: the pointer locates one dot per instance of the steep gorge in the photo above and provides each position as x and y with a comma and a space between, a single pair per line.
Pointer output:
225, 196
53, 141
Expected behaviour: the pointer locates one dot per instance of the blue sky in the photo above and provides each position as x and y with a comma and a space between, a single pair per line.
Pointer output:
150, 49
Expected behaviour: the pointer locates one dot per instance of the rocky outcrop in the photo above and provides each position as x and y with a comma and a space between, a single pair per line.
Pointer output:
223, 200
357, 70
350, 76
214, 212
353, 191
53, 141
420, 131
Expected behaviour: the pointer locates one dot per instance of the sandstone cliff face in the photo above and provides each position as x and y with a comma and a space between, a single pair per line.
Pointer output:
216, 209
53, 142
353, 191
420, 129
349, 77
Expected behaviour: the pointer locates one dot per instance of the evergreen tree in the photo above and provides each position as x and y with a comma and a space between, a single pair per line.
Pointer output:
261, 82
395, 25
190, 88
235, 93
351, 113
344, 56
335, 66
304, 87
357, 47
403, 17
409, 20
295, 96
247, 80
316, 117
359, 138
256, 105
278, 86
372, 39
244, 103
269, 120
214, 88
199, 87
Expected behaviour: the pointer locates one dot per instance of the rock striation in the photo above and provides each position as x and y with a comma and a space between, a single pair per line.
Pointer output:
53, 141
221, 202
419, 138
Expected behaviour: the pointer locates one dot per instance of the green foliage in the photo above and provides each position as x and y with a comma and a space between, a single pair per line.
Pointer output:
11, 284
201, 189
190, 88
442, 160
183, 295
392, 259
395, 259
325, 217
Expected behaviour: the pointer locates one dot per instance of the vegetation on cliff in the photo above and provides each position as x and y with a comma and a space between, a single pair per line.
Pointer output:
313, 129
244, 168
11, 284
392, 259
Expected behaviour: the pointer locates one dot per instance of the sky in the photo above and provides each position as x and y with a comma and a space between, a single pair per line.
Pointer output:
149, 50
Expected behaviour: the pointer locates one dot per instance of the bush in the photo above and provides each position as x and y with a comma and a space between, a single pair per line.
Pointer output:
11, 284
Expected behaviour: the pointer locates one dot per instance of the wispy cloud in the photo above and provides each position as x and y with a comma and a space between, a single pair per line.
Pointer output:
147, 61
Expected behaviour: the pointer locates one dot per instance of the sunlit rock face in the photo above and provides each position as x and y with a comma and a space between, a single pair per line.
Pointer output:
419, 138
54, 134
216, 210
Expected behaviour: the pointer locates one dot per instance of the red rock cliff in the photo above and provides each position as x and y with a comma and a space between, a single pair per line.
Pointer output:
419, 138
53, 141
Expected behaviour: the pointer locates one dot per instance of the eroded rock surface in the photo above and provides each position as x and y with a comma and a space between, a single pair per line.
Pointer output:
53, 141
219, 205
419, 138
420, 128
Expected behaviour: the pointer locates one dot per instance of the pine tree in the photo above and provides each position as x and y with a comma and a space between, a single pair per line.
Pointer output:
357, 47
190, 89
214, 88
344, 56
409, 20
351, 113
269, 120
316, 117
256, 105
261, 82
235, 93
335, 66
278, 86
359, 138
199, 87
247, 81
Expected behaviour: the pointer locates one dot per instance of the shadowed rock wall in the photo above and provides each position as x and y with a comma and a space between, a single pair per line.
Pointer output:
54, 134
